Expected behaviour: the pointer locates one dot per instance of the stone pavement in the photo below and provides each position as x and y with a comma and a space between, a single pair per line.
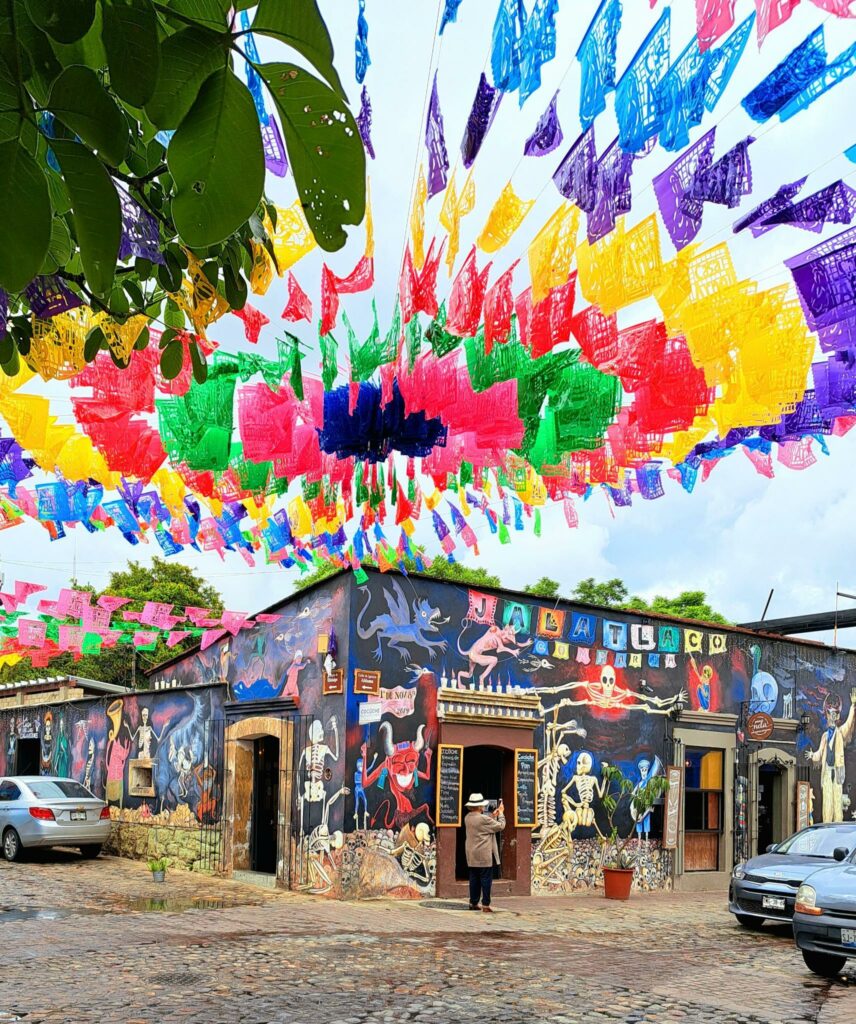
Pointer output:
98, 941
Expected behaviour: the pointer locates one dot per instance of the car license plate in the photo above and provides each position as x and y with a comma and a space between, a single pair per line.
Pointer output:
848, 937
78, 815
773, 902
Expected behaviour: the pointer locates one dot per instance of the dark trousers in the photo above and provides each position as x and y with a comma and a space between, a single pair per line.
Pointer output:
480, 883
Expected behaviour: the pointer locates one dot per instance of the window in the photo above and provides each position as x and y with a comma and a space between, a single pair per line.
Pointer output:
703, 809
9, 791
140, 780
59, 789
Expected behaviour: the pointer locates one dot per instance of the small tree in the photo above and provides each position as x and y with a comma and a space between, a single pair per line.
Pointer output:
614, 853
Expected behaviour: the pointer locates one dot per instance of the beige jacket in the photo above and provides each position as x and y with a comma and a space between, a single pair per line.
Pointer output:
482, 848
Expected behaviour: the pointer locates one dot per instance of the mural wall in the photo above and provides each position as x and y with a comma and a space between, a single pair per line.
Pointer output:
364, 664
300, 656
154, 756
606, 683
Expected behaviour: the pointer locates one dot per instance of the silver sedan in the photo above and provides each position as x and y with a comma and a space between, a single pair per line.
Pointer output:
44, 810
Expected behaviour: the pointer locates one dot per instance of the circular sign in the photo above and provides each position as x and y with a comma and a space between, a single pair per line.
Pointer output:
760, 726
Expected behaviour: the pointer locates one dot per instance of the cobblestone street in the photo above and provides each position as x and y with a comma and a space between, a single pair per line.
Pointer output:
100, 942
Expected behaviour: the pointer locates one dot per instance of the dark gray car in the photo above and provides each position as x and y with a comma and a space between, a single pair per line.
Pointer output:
825, 918
765, 887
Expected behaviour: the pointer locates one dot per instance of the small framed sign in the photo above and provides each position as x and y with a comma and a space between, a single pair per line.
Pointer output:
803, 805
525, 788
674, 803
333, 682
366, 681
450, 770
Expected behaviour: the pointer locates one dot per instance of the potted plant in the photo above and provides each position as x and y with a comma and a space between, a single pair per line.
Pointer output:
619, 863
158, 868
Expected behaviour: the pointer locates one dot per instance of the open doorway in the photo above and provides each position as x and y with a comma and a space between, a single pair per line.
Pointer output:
29, 753
487, 770
263, 832
770, 782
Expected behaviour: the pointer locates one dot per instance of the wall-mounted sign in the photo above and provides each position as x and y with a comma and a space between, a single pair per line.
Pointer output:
803, 805
333, 682
525, 788
450, 771
674, 802
370, 712
366, 681
759, 727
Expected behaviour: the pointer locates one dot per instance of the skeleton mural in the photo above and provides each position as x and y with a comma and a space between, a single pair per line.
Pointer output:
412, 849
608, 694
578, 794
313, 760
401, 772
556, 754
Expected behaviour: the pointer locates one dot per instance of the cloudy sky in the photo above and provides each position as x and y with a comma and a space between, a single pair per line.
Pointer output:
738, 534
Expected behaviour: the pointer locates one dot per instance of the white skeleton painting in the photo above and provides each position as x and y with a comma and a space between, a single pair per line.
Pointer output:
577, 807
314, 757
556, 754
607, 693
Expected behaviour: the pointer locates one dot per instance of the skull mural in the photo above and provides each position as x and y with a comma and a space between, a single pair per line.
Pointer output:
764, 688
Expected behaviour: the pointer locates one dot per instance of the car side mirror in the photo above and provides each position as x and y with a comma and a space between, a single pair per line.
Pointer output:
772, 848
840, 852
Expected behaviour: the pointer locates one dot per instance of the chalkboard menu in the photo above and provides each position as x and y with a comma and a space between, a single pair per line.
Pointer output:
450, 759
674, 800
525, 788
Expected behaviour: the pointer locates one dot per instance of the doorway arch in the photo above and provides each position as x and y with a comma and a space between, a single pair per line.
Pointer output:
258, 798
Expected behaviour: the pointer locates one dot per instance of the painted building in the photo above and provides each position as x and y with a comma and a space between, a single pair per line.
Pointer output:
308, 748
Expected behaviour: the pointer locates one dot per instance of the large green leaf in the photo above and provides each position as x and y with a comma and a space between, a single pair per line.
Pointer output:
82, 103
188, 58
10, 102
60, 248
63, 20
35, 47
133, 53
88, 51
217, 162
325, 151
211, 13
95, 210
25, 227
299, 24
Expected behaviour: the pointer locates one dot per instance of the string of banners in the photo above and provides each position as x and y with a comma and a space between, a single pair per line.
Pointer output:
562, 635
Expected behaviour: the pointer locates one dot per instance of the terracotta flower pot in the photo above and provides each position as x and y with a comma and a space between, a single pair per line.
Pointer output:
617, 882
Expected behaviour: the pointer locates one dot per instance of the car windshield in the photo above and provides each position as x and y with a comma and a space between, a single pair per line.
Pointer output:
818, 842
59, 789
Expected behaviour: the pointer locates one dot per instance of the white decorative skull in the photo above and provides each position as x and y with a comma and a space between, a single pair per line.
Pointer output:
607, 680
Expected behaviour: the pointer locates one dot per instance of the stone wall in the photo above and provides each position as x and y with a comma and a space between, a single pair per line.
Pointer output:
581, 870
176, 836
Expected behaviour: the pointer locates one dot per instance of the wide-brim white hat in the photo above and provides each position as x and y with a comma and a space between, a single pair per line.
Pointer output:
476, 800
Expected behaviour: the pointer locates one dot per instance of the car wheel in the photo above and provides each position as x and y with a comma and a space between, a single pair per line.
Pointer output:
827, 965
754, 924
91, 851
11, 844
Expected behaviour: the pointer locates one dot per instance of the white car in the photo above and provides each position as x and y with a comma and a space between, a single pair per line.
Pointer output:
44, 810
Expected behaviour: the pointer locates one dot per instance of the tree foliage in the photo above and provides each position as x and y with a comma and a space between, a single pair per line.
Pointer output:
163, 581
545, 587
90, 89
609, 594
689, 604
